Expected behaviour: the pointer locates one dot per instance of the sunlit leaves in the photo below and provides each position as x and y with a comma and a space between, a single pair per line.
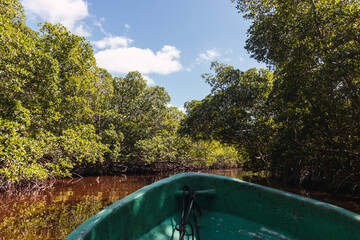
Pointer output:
235, 112
314, 48
60, 114
49, 86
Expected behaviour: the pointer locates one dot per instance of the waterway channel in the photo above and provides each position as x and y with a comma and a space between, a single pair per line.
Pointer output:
55, 212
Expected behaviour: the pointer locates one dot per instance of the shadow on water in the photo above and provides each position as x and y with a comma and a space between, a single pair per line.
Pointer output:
55, 212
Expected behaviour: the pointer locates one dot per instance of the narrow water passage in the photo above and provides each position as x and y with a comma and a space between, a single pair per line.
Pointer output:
54, 213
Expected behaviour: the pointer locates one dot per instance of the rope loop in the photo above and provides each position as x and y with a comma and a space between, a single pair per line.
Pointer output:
190, 206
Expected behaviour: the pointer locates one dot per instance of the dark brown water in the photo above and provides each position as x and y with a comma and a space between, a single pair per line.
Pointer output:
54, 213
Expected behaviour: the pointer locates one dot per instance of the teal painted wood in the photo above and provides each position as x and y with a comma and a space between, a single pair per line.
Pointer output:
232, 209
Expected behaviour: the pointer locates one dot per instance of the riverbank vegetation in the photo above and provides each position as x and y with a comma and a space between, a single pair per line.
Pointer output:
300, 122
297, 121
61, 115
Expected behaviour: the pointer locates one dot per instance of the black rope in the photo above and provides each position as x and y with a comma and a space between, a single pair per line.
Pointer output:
189, 206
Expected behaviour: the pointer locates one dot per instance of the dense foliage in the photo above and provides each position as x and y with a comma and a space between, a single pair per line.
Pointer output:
235, 112
61, 115
302, 124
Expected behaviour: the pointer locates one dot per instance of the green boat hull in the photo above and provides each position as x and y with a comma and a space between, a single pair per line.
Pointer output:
231, 209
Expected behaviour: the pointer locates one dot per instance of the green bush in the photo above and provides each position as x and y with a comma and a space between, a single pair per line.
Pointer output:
23, 158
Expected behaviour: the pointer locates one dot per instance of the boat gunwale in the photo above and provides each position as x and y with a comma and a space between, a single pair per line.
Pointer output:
86, 226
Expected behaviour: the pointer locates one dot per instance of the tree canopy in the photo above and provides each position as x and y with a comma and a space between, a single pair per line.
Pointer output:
299, 122
313, 47
234, 112
60, 114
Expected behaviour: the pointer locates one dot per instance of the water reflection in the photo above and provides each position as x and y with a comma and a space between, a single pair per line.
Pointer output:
41, 220
54, 213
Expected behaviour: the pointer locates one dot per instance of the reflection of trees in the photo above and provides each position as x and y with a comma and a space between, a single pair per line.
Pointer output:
55, 212
40, 220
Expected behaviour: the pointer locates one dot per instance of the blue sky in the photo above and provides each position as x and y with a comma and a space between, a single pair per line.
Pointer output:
170, 42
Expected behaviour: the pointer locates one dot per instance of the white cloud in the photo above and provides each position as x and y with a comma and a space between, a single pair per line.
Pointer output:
99, 24
149, 81
188, 69
82, 30
67, 12
113, 42
229, 51
209, 55
182, 109
125, 59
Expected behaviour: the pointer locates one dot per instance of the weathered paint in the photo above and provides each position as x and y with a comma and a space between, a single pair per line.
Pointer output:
232, 209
